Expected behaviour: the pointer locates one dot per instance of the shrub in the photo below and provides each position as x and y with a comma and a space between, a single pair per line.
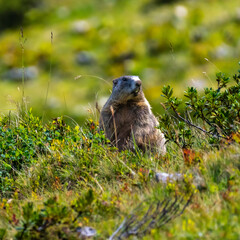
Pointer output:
23, 140
216, 113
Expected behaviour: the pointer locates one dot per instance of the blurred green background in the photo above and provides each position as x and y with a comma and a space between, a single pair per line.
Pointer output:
70, 50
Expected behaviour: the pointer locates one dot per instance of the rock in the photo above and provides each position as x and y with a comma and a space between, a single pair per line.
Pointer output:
166, 177
85, 58
15, 74
199, 34
223, 51
81, 27
181, 11
86, 232
198, 181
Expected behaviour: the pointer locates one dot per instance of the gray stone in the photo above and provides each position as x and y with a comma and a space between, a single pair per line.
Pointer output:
198, 180
223, 51
81, 27
166, 177
86, 232
15, 74
84, 58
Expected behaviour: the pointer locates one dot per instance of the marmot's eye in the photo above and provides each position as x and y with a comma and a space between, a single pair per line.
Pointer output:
124, 79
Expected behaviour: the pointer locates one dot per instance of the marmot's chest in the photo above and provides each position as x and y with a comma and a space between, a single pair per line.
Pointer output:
125, 112
127, 115
125, 120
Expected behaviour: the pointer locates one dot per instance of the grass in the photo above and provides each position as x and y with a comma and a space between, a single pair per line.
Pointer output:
57, 176
71, 176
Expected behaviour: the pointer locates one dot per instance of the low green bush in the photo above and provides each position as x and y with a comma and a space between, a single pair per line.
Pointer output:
24, 139
57, 177
215, 112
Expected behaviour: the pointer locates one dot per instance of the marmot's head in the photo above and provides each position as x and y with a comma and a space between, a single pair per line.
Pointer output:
126, 88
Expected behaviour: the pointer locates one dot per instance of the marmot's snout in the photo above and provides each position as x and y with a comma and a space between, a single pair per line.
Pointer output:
137, 87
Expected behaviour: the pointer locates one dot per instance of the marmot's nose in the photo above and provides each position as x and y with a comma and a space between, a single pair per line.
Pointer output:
138, 83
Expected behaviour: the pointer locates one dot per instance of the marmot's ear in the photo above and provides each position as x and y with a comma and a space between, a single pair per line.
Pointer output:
115, 81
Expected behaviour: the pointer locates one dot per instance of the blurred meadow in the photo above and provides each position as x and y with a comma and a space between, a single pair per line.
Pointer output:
70, 50
59, 58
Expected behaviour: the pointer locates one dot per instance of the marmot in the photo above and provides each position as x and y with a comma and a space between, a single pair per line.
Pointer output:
127, 118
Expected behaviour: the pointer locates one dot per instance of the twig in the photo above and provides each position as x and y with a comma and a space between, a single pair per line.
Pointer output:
157, 215
119, 228
193, 125
188, 122
123, 163
114, 125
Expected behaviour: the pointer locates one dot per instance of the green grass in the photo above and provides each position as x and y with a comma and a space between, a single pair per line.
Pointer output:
74, 177
57, 175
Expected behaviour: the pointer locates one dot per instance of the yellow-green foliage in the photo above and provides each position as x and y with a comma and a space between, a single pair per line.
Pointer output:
57, 177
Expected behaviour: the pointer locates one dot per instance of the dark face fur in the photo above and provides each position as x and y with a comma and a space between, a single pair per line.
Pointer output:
127, 87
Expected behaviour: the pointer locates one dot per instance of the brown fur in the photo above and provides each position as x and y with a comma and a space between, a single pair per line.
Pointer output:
133, 119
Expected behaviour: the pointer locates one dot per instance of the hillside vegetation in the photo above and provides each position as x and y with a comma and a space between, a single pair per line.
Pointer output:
59, 173
58, 177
